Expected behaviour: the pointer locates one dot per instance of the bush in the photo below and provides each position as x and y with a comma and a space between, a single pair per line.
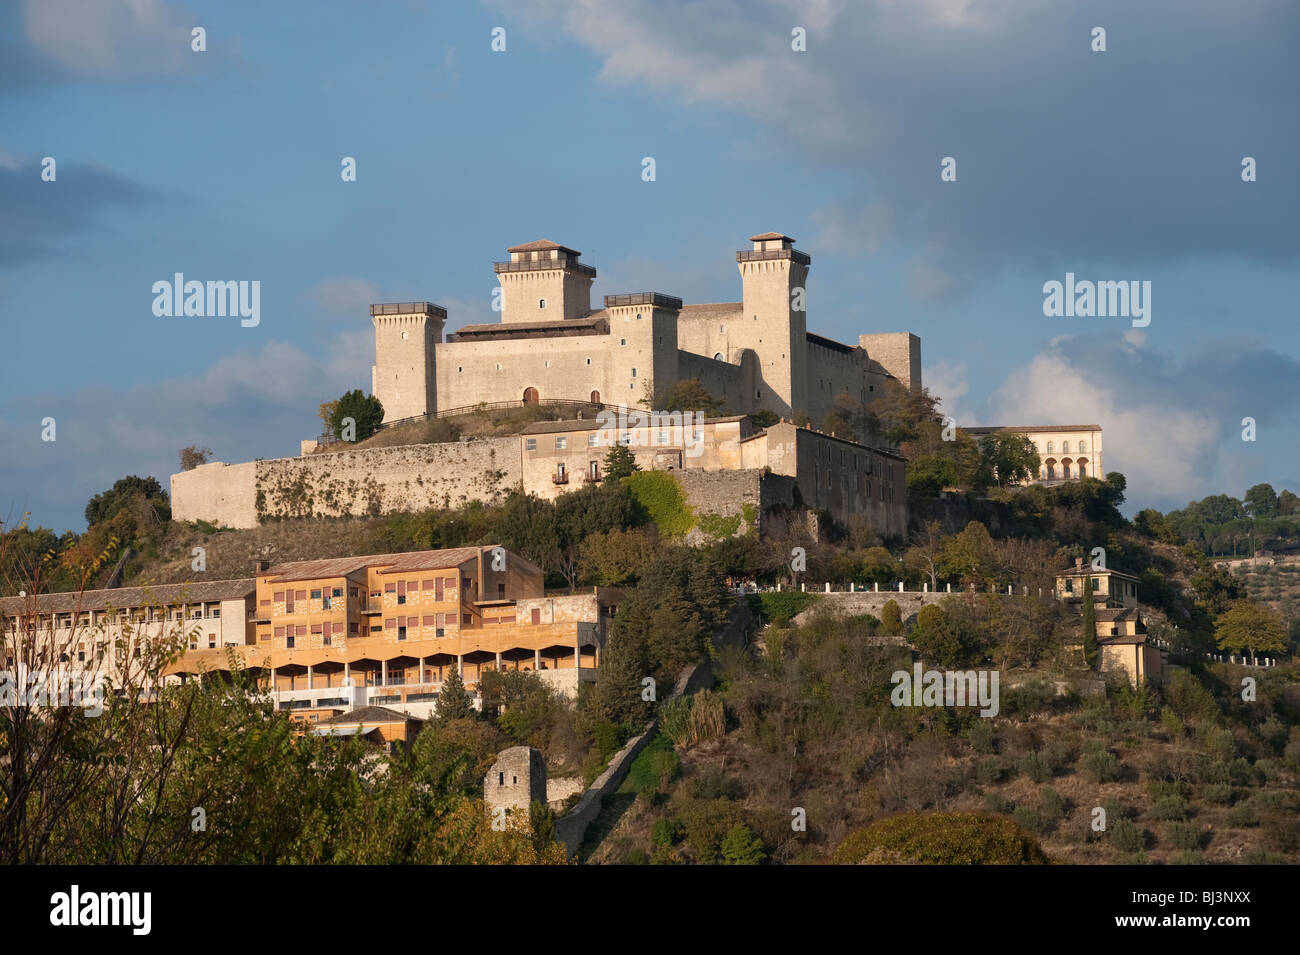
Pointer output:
1218, 794
1169, 809
988, 770
1125, 835
661, 496
780, 605
997, 803
982, 737
1029, 819
741, 847
1052, 805
1184, 835
666, 832
891, 618
675, 720
960, 838
1060, 755
1034, 766
1243, 816
1101, 766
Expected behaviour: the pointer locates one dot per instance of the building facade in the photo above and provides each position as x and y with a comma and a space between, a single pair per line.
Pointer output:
551, 344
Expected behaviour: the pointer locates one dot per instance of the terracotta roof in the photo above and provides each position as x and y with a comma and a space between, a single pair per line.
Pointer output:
1122, 639
1089, 572
542, 245
368, 715
342, 566
768, 235
1114, 614
121, 598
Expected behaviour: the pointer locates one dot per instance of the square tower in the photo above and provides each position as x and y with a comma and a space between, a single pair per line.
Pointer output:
404, 377
642, 346
773, 277
544, 282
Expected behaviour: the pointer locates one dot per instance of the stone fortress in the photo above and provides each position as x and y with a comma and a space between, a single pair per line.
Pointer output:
753, 354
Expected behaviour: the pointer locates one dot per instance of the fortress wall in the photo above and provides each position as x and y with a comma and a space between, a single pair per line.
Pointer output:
899, 353
382, 480
719, 378
467, 371
221, 493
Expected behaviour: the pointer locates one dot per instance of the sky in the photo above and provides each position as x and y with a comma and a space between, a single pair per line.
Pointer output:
225, 164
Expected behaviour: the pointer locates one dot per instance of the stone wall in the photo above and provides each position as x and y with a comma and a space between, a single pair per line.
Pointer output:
224, 494
517, 779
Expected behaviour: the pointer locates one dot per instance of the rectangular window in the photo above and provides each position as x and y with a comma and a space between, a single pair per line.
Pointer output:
412, 585
338, 592
352, 628
300, 595
662, 437
390, 623
390, 588
315, 595
279, 632
279, 596
288, 642
325, 603
530, 444
593, 439
561, 443
429, 620
437, 592
426, 584
301, 629
465, 582
338, 627
376, 629
401, 633
316, 628
466, 620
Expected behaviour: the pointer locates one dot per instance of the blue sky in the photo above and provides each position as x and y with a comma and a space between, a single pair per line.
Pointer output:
225, 165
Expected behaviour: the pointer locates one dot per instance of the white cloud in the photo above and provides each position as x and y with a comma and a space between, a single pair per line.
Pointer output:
345, 294
948, 383
1164, 449
111, 37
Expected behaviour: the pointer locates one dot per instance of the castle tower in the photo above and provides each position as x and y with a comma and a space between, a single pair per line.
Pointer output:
404, 376
544, 281
899, 353
643, 346
774, 324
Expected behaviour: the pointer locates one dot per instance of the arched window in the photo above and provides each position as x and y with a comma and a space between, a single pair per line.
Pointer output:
1065, 469
1083, 446
1065, 447
718, 357
1049, 447
595, 397
1051, 470
1083, 467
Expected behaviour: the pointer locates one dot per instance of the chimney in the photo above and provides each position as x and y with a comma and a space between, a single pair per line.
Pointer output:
1078, 563
261, 566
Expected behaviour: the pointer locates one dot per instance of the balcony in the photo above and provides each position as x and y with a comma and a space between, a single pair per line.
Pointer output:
589, 478
560, 478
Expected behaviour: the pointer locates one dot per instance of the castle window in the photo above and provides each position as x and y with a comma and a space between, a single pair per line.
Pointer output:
588, 361
638, 316
1065, 447
758, 394
498, 366
541, 303
622, 341
1083, 446
530, 444
633, 372
460, 368
722, 328
1049, 447
561, 443
403, 336
718, 357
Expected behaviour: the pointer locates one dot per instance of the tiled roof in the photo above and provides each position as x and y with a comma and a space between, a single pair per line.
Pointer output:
369, 715
1114, 614
342, 566
121, 598
542, 245
768, 235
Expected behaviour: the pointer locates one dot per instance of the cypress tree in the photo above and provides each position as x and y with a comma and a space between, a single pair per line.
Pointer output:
1091, 648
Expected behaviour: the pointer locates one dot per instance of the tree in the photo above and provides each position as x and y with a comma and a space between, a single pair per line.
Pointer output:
688, 394
326, 412
454, 701
1248, 627
764, 418
1261, 501
366, 412
123, 494
1091, 648
193, 456
922, 558
935, 638
741, 847
619, 463
1153, 524
1006, 458
1288, 503
969, 556
891, 618
929, 475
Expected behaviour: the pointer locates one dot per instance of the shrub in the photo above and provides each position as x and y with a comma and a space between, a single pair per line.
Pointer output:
960, 838
1184, 835
982, 737
988, 770
1125, 835
1052, 805
1034, 766
675, 720
661, 496
1169, 808
1243, 815
997, 803
1029, 819
891, 618
741, 847
1101, 766
1060, 755
1218, 794
778, 606
666, 832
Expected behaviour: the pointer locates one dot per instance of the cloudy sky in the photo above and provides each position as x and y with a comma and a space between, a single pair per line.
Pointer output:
225, 164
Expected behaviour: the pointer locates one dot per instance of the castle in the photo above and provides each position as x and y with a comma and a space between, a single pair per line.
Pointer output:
755, 354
